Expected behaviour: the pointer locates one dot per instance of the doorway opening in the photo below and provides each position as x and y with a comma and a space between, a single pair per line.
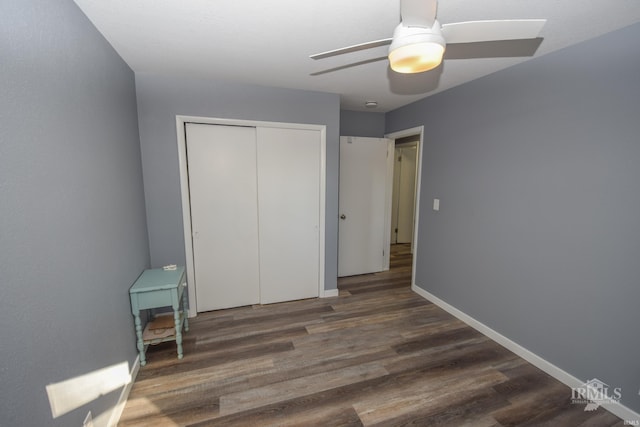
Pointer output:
402, 225
404, 189
403, 207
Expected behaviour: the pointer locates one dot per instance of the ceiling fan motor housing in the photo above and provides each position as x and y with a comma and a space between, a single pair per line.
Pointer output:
416, 49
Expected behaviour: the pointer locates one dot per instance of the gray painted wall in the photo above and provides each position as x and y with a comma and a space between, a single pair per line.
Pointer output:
72, 221
538, 233
362, 123
160, 99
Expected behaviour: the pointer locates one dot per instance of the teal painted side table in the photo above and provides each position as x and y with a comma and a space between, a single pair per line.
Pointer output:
157, 288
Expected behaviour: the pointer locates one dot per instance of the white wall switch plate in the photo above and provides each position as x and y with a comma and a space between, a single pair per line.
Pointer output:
436, 204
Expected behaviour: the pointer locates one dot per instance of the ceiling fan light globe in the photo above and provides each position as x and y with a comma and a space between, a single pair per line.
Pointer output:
416, 57
416, 49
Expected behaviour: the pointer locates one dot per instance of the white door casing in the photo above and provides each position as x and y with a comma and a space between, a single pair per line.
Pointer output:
319, 132
419, 133
394, 197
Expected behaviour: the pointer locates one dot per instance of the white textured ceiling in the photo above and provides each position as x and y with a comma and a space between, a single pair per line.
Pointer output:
269, 42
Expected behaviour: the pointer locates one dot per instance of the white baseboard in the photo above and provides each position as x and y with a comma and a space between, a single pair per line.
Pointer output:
618, 410
329, 293
124, 395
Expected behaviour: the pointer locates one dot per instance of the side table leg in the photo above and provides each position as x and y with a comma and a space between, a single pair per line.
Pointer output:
140, 343
184, 310
176, 316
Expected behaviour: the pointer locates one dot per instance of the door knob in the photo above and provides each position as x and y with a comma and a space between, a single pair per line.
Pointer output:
343, 216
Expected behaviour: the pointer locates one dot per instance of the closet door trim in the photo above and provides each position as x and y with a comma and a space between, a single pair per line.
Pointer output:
186, 206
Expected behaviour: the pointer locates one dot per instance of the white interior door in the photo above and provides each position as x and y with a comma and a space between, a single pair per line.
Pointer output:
224, 214
406, 193
366, 178
289, 213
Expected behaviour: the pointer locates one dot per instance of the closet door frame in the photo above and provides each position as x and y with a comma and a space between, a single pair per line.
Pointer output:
186, 205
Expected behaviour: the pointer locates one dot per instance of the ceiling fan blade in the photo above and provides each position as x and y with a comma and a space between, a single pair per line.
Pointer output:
418, 13
349, 49
493, 49
484, 31
344, 67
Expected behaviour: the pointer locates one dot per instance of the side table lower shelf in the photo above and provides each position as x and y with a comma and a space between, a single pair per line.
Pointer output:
161, 329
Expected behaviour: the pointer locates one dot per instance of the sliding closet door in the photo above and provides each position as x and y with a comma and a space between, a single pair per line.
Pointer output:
289, 213
224, 214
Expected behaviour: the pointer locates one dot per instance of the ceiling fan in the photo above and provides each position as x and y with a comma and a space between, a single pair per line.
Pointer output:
419, 41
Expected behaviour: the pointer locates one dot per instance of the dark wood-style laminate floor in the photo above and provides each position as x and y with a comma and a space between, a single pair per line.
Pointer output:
377, 355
